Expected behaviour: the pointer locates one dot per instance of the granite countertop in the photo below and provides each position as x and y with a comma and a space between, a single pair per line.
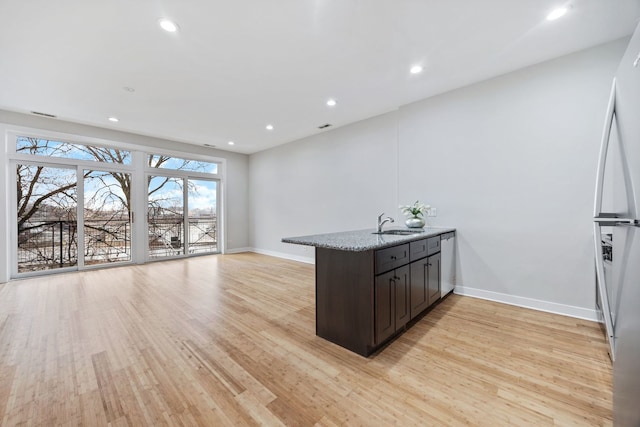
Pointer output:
363, 240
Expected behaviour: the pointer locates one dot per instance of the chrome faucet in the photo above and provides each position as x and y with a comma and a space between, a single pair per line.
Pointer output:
382, 222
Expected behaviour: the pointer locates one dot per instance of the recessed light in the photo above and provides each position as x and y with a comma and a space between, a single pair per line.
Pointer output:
231, 143
331, 102
168, 25
113, 119
416, 69
269, 127
557, 13
128, 89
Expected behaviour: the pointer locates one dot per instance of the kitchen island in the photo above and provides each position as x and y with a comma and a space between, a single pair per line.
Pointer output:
370, 286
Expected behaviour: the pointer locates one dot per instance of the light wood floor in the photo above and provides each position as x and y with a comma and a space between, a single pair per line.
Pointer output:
229, 340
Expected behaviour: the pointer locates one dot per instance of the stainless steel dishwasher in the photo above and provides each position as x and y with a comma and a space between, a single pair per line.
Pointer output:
448, 262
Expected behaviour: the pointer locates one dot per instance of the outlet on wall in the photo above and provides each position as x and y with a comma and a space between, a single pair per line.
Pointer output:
432, 212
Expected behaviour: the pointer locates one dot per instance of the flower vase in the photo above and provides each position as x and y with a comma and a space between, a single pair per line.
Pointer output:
414, 222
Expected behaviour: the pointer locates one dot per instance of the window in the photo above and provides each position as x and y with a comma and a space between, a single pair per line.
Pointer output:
171, 231
69, 150
75, 204
107, 217
176, 163
46, 219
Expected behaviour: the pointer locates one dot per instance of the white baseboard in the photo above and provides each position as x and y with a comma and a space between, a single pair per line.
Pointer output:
306, 260
238, 250
550, 307
534, 304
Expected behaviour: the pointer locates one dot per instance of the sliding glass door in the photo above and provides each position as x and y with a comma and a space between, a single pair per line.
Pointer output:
182, 216
46, 216
52, 233
75, 204
165, 217
202, 197
106, 217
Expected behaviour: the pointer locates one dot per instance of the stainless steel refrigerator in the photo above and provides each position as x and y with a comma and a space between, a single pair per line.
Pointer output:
617, 234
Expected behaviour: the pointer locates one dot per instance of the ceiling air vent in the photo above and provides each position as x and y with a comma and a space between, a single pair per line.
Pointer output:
37, 113
324, 126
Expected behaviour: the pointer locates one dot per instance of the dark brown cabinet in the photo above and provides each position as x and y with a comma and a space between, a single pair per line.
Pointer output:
433, 278
392, 310
419, 286
364, 298
425, 274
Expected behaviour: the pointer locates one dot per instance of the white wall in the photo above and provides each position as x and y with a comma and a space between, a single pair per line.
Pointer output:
334, 181
509, 162
235, 185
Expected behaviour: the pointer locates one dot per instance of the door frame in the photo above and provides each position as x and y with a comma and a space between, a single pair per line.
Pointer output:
185, 176
79, 167
9, 156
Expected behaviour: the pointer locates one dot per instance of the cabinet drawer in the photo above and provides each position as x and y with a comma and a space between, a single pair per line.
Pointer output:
390, 258
418, 249
433, 245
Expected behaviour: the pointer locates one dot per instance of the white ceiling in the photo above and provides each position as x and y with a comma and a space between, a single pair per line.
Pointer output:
235, 66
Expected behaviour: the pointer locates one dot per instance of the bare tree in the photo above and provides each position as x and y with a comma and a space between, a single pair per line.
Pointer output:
29, 202
46, 194
36, 188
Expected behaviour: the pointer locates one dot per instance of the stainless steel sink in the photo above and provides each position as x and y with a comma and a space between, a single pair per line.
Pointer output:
400, 232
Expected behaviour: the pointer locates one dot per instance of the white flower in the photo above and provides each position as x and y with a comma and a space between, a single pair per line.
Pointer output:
415, 210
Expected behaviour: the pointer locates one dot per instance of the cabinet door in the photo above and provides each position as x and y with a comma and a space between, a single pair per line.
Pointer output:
419, 286
433, 278
385, 306
402, 295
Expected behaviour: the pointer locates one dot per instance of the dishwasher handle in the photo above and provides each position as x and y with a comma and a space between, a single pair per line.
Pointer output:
448, 236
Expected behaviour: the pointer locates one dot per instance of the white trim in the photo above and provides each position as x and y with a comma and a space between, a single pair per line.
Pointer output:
238, 250
139, 202
535, 304
137, 168
5, 193
186, 156
12, 130
306, 260
80, 225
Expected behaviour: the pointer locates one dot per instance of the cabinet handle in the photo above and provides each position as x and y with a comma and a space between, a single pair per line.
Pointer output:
393, 257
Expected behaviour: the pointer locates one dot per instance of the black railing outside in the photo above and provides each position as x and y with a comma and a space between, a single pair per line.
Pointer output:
54, 244
166, 236
203, 235
45, 245
107, 241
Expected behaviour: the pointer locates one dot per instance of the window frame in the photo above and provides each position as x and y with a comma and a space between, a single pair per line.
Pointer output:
138, 170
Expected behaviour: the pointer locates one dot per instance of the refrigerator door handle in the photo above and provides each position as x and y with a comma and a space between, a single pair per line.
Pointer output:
614, 222
602, 290
604, 147
633, 223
